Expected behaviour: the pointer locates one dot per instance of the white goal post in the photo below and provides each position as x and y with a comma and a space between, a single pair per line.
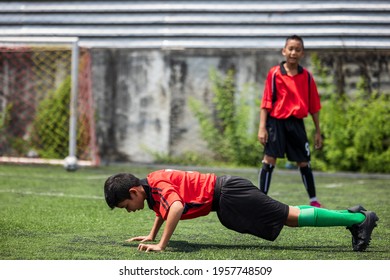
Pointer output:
38, 66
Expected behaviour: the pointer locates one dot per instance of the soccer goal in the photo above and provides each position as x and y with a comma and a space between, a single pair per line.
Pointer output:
46, 102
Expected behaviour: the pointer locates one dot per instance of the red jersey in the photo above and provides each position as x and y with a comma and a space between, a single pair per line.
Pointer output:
193, 189
294, 95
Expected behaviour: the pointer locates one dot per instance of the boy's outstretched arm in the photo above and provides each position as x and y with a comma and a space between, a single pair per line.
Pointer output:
174, 215
158, 221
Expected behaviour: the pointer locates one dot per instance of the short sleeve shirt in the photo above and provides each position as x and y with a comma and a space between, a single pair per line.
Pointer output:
295, 95
193, 189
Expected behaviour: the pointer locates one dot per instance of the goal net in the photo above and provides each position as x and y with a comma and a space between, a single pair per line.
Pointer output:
46, 102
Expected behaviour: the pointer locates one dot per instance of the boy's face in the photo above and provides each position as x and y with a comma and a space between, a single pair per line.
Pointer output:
293, 51
135, 203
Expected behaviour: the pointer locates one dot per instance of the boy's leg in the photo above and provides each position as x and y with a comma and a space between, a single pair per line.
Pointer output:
265, 176
274, 148
308, 182
341, 210
359, 221
320, 217
310, 216
298, 150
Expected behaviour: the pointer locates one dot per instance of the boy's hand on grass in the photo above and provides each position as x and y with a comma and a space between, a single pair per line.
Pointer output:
140, 238
146, 247
149, 247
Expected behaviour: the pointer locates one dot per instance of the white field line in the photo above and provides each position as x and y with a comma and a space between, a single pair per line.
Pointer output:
40, 161
336, 185
52, 194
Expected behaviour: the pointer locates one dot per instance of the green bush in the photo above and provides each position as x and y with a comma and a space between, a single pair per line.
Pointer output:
228, 129
356, 132
51, 125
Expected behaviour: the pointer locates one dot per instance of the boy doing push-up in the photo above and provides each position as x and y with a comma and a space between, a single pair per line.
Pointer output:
177, 195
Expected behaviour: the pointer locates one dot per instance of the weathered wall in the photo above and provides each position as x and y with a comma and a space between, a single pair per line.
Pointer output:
348, 67
142, 96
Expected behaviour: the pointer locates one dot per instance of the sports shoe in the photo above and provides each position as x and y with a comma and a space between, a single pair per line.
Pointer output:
356, 209
354, 228
361, 233
315, 204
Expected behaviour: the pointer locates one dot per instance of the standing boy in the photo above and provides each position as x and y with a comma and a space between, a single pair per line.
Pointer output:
177, 195
290, 94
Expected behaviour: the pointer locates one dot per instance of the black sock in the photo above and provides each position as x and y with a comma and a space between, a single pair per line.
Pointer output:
308, 180
265, 177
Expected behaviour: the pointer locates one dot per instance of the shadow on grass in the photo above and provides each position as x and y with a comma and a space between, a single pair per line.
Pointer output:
189, 247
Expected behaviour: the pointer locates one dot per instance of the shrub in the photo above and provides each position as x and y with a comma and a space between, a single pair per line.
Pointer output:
228, 128
356, 130
51, 125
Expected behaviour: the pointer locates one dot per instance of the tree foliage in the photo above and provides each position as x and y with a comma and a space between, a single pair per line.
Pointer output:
356, 130
51, 125
228, 127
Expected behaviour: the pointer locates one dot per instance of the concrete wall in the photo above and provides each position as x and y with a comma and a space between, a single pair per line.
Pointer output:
142, 96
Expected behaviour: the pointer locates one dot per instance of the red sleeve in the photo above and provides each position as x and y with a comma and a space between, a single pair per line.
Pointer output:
268, 87
167, 195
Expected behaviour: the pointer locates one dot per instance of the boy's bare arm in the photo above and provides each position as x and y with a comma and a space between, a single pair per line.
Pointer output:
158, 221
317, 136
156, 227
263, 134
174, 215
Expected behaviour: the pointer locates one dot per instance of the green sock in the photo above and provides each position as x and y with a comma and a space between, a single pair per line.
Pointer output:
320, 217
308, 206
304, 206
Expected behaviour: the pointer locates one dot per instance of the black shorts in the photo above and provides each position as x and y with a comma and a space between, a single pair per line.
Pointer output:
242, 207
287, 137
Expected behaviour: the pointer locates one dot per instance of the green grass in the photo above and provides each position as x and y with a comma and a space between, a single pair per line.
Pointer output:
47, 213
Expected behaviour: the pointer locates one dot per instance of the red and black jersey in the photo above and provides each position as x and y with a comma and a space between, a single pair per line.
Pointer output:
285, 96
193, 189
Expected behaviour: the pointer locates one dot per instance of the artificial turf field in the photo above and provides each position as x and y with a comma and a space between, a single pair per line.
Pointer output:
47, 213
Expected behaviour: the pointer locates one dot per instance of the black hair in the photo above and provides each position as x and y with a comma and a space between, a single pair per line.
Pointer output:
295, 37
116, 188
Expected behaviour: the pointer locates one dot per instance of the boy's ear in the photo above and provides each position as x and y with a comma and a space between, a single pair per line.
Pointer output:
133, 191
